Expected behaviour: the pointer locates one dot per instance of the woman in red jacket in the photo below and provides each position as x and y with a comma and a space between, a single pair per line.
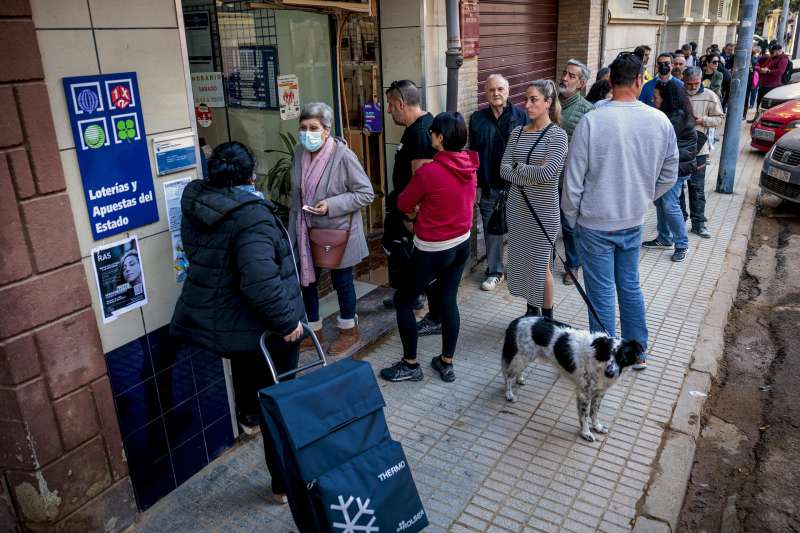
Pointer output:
439, 200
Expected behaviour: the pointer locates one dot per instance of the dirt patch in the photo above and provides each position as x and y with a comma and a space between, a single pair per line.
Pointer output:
746, 475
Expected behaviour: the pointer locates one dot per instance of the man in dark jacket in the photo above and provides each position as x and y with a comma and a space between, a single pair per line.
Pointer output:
488, 134
241, 281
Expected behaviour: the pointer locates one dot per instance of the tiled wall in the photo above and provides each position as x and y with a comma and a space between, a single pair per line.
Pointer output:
173, 411
171, 403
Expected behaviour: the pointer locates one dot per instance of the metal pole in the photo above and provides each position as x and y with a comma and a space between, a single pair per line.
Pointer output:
730, 141
781, 37
453, 57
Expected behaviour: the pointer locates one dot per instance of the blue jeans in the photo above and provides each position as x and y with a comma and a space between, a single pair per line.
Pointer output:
494, 243
345, 290
610, 271
671, 225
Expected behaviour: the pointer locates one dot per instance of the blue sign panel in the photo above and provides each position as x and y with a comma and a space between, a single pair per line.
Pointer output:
255, 82
105, 112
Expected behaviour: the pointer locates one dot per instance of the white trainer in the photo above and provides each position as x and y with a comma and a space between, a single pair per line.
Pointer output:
491, 283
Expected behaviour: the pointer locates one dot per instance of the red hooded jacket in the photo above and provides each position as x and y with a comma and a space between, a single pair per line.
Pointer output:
445, 191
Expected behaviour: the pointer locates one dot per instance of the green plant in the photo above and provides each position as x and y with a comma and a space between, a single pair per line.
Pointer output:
277, 183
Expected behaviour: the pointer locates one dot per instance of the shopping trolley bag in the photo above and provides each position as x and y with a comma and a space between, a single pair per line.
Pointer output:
342, 470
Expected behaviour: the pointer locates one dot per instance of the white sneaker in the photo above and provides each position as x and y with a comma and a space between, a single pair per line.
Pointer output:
491, 283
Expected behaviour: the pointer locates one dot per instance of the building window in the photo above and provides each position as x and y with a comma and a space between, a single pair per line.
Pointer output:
641, 4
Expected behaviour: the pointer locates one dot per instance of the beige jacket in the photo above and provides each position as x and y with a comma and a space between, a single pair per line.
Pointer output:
705, 105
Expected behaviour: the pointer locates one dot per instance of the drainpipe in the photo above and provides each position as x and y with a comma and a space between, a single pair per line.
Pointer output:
453, 57
733, 126
603, 29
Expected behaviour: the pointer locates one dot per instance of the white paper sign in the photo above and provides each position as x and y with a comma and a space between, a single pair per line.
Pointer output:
289, 96
173, 190
207, 89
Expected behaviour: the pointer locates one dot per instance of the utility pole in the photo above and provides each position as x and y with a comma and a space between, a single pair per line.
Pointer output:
782, 25
453, 56
741, 60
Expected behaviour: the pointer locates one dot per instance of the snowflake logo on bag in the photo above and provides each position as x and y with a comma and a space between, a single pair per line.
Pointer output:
351, 523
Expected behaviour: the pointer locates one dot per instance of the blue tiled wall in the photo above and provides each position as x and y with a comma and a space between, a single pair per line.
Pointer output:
173, 412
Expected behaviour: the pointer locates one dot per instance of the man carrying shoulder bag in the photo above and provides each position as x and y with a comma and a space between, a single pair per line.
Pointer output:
489, 130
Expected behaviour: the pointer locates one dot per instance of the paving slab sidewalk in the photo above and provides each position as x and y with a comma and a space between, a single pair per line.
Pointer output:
483, 464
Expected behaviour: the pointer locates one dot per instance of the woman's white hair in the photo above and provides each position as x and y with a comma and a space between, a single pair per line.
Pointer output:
318, 110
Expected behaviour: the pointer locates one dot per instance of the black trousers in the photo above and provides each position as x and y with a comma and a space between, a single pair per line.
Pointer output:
446, 268
400, 264
697, 195
251, 374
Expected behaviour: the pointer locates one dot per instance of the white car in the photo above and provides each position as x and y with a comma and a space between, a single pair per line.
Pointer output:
779, 95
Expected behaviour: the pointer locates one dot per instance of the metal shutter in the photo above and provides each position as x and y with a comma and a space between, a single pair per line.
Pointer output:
517, 40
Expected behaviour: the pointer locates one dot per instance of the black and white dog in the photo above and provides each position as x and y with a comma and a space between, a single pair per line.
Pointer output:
593, 361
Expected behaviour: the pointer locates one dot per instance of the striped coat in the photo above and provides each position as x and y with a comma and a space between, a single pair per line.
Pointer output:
529, 251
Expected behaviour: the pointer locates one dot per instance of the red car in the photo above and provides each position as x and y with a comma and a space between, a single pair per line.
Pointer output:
773, 124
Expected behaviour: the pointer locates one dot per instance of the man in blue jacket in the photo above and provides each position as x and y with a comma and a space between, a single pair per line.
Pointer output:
489, 130
664, 67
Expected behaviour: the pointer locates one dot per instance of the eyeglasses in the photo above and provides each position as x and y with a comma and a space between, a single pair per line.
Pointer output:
664, 63
715, 62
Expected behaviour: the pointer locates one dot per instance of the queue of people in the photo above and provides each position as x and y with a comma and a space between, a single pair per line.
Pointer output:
585, 168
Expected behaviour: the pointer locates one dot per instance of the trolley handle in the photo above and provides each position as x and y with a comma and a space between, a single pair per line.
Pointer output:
262, 342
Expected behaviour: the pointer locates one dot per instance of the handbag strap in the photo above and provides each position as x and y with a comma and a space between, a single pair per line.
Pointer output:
577, 283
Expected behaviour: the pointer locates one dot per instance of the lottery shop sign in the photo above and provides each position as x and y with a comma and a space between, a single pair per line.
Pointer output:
105, 112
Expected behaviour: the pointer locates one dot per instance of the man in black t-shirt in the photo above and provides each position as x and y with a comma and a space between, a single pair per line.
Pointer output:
415, 149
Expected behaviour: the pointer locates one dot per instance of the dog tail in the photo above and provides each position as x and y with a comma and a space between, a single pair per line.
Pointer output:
510, 344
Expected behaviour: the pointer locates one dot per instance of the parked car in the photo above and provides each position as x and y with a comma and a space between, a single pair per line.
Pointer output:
779, 95
780, 172
773, 124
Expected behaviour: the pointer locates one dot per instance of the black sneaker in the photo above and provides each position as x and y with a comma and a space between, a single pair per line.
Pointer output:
679, 255
702, 231
401, 372
426, 326
657, 243
249, 424
445, 370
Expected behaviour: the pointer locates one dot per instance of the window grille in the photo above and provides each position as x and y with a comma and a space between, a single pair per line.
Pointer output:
641, 4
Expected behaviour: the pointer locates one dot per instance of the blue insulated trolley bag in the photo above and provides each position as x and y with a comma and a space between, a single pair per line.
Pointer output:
343, 472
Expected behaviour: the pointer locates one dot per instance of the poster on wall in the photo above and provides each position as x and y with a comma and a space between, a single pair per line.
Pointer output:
120, 277
207, 89
173, 190
289, 96
253, 80
105, 112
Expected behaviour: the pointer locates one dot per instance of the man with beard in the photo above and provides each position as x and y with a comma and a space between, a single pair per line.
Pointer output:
489, 130
573, 107
664, 65
415, 149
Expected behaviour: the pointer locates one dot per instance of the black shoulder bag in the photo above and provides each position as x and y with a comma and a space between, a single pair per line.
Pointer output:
498, 225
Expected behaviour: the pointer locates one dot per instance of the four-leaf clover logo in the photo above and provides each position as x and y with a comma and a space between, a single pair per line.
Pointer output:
126, 130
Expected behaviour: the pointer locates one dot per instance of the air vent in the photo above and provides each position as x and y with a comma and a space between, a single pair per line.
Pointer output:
720, 5
641, 4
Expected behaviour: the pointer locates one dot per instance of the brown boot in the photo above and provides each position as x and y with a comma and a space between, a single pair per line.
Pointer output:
346, 340
308, 344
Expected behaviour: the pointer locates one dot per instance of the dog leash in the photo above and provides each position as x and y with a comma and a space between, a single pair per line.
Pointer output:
577, 283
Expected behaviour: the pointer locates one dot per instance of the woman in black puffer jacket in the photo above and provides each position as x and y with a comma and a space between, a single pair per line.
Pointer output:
673, 101
241, 281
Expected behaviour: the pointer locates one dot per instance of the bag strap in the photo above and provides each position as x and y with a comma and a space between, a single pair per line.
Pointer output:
577, 283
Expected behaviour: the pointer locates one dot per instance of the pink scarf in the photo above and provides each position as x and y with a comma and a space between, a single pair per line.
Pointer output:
312, 170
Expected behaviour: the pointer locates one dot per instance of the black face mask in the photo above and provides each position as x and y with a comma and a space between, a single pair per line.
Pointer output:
664, 69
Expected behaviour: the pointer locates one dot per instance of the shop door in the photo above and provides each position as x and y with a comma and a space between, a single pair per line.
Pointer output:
517, 40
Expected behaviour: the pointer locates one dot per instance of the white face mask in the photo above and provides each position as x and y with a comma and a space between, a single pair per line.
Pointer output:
311, 140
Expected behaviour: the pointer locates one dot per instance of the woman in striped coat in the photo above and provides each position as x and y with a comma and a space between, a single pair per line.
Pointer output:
532, 164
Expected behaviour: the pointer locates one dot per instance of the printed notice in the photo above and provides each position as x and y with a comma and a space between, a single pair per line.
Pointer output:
173, 190
289, 96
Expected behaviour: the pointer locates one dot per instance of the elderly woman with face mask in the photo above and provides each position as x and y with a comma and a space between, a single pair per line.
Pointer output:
329, 188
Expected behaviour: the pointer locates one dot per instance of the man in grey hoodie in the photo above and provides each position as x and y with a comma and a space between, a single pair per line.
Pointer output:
622, 157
